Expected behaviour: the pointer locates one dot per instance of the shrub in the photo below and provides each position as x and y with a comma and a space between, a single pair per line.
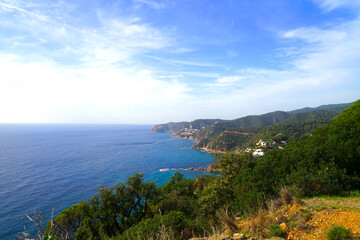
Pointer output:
275, 231
337, 232
147, 228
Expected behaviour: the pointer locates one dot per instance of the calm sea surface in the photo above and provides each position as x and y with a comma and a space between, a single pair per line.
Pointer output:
55, 166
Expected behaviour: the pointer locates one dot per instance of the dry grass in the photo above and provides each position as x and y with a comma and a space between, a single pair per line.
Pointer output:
297, 201
274, 205
286, 196
256, 226
163, 233
229, 222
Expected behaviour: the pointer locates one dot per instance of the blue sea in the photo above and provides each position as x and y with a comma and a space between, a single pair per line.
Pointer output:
45, 166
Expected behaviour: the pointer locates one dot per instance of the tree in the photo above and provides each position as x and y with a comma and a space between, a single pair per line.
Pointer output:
231, 163
110, 212
69, 220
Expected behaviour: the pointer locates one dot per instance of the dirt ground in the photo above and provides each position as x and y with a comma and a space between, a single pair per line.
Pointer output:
329, 212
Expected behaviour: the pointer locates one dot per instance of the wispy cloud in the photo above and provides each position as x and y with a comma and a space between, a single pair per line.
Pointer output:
62, 71
152, 3
230, 81
8, 7
116, 40
324, 68
208, 75
185, 62
334, 48
329, 5
59, 65
182, 50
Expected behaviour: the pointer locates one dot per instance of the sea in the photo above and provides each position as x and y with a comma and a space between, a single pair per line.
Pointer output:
49, 167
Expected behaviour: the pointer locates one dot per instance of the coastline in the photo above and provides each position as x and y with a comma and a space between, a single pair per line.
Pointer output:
210, 168
209, 150
194, 147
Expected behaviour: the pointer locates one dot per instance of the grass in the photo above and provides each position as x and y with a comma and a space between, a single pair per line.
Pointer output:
353, 194
276, 231
338, 233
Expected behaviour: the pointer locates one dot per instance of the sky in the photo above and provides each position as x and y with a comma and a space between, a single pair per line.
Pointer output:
148, 62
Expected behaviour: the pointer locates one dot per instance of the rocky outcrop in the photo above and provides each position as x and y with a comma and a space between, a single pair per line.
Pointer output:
160, 128
211, 168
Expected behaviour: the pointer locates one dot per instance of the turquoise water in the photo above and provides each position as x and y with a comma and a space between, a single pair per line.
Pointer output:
55, 166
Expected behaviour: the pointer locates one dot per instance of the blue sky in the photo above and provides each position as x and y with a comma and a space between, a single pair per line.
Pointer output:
147, 61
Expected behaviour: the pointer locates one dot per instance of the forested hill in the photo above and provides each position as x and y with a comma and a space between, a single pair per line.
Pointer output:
335, 107
235, 135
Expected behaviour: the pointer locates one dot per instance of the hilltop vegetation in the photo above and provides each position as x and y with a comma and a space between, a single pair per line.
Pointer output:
217, 135
327, 162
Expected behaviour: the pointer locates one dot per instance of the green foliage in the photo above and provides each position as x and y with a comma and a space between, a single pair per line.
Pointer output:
276, 231
338, 233
180, 185
145, 229
289, 131
325, 163
216, 196
174, 225
230, 163
69, 220
50, 237
109, 213
122, 205
343, 139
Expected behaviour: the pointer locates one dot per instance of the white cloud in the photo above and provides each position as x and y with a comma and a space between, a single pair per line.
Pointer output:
115, 40
324, 69
329, 49
57, 71
315, 35
184, 62
54, 70
152, 3
329, 5
206, 74
47, 92
182, 50
230, 81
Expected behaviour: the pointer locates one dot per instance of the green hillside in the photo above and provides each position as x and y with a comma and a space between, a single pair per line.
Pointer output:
235, 135
327, 162
334, 107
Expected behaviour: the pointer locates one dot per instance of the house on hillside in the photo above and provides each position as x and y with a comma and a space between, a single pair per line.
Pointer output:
247, 150
258, 153
261, 143
189, 131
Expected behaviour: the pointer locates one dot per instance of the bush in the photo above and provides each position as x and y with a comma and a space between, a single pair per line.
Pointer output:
145, 229
276, 231
337, 232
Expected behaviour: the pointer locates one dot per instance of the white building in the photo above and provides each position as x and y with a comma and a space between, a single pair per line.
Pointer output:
258, 152
261, 143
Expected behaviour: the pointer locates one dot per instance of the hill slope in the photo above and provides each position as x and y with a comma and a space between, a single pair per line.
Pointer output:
218, 135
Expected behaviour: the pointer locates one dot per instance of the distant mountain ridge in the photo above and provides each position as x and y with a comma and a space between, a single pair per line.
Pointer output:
217, 135
335, 107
